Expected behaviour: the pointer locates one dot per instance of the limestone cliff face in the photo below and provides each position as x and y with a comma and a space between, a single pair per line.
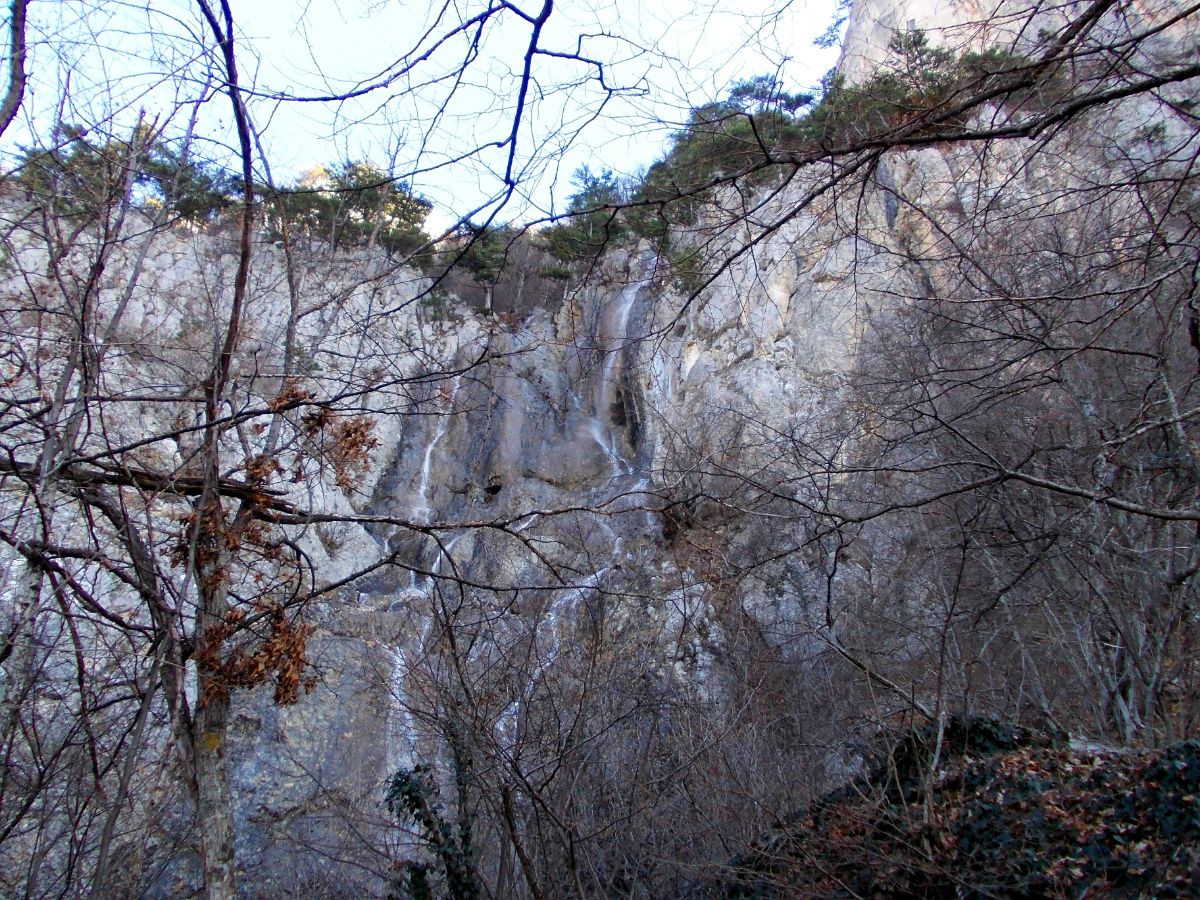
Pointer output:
626, 446
1017, 25
647, 462
872, 24
614, 510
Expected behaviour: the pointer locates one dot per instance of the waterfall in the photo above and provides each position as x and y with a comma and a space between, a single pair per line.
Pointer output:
613, 339
401, 728
612, 335
597, 413
421, 511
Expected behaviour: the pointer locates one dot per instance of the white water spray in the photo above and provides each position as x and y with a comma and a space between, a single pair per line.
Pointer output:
613, 333
421, 511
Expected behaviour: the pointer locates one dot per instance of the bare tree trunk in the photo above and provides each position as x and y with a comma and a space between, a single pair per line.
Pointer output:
210, 554
213, 799
16, 65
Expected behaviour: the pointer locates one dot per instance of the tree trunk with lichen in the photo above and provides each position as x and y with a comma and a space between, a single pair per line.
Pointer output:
214, 802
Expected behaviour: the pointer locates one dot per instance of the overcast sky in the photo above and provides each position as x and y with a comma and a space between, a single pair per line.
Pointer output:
115, 59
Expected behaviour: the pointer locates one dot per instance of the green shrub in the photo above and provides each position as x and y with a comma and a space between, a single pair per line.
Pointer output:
747, 139
352, 204
83, 178
482, 251
436, 304
688, 270
593, 221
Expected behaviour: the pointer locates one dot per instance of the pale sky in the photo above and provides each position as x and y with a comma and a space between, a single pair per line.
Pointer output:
664, 57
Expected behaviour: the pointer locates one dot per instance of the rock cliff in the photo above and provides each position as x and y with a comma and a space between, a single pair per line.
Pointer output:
635, 572
655, 469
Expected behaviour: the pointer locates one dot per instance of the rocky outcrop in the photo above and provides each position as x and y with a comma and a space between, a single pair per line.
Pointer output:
983, 809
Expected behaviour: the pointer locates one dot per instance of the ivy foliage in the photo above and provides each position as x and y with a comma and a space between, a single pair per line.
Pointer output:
412, 796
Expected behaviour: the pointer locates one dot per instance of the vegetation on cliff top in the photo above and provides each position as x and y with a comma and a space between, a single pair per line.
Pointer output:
759, 134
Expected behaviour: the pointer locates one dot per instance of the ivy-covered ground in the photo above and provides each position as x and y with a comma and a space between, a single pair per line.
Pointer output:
1001, 813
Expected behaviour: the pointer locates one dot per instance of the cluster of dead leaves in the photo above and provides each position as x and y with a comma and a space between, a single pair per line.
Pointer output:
345, 442
281, 655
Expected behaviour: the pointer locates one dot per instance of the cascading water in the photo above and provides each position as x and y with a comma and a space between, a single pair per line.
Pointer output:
561, 615
599, 412
402, 731
612, 336
403, 738
614, 344
421, 511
